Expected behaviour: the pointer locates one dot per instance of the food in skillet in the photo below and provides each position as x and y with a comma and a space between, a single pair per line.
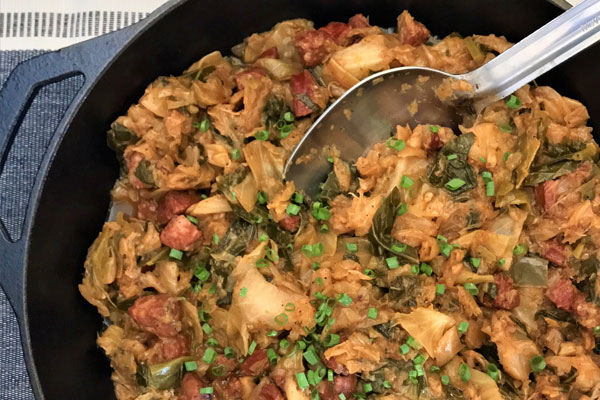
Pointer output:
442, 264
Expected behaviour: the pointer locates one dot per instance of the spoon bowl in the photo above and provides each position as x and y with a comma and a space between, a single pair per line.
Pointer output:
369, 112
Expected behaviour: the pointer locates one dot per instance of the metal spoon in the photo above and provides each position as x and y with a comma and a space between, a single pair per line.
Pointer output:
369, 111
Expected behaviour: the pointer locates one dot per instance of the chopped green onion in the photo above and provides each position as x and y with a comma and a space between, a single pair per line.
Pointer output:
392, 262
402, 209
419, 359
506, 155
471, 288
193, 220
342, 396
316, 265
262, 263
414, 269
284, 343
413, 343
513, 102
395, 144
597, 330
454, 184
404, 349
319, 212
209, 355
311, 356
486, 175
475, 262
261, 197
372, 313
207, 328
369, 272
272, 356
243, 292
229, 353
330, 375
302, 381
492, 371
263, 237
387, 384
434, 128
313, 250
482, 159
490, 189
440, 289
272, 333
285, 131
212, 342
452, 157
292, 209
406, 182
191, 365
204, 125
206, 390
271, 255
501, 262
442, 238
290, 307
399, 248
435, 368
215, 238
520, 249
288, 116
538, 364
367, 387
426, 269
212, 289
281, 319
202, 274
330, 159
235, 154
176, 254
464, 372
319, 281
324, 228
445, 380
351, 247
251, 348
463, 326
261, 135
331, 340
344, 299
297, 198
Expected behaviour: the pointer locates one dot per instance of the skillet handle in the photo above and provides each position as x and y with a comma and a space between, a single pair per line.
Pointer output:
87, 58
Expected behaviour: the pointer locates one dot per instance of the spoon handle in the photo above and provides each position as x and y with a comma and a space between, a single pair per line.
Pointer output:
560, 39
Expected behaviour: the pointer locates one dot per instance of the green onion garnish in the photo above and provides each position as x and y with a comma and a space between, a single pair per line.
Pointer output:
193, 220
471, 288
513, 102
176, 254
440, 289
261, 197
204, 125
404, 349
262, 263
191, 365
392, 262
251, 348
206, 390
344, 299
402, 209
452, 157
445, 380
243, 292
464, 372
292, 209
281, 319
372, 313
454, 184
235, 154
492, 371
490, 189
475, 262
261, 135
331, 340
272, 356
463, 326
538, 364
406, 182
351, 247
302, 381
434, 128
209, 355
520, 249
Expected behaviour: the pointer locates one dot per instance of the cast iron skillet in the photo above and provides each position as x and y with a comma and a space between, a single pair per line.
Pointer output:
68, 204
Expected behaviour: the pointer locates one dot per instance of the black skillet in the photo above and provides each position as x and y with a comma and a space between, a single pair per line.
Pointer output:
69, 201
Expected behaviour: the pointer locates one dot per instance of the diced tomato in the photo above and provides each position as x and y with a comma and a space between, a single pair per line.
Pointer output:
358, 21
290, 223
507, 297
256, 364
314, 46
158, 314
410, 31
562, 293
302, 84
174, 203
270, 53
180, 234
554, 252
337, 31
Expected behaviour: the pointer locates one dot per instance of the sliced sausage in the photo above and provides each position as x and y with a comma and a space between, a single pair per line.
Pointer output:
341, 385
190, 388
256, 364
147, 209
314, 46
359, 21
337, 31
410, 31
180, 234
554, 252
507, 297
174, 203
290, 223
562, 293
174, 347
302, 84
269, 392
158, 314
334, 365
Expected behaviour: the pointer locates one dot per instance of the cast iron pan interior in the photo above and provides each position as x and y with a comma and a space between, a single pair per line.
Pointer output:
76, 194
